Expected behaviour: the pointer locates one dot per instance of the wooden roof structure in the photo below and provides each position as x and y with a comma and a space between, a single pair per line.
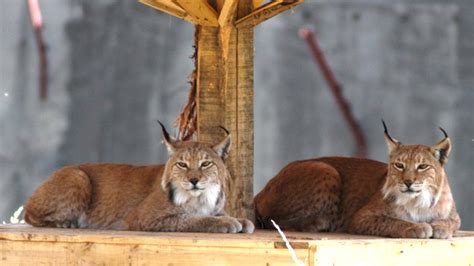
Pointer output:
224, 79
222, 13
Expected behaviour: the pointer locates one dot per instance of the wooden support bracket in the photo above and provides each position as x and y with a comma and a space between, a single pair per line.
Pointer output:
227, 14
257, 3
265, 12
200, 10
168, 7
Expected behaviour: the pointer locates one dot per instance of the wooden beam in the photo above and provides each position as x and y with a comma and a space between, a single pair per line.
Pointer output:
200, 10
169, 7
265, 12
226, 22
227, 14
257, 3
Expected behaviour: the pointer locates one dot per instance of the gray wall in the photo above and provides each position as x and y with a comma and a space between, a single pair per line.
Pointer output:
116, 66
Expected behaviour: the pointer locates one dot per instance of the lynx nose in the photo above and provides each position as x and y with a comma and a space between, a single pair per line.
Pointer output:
408, 183
194, 181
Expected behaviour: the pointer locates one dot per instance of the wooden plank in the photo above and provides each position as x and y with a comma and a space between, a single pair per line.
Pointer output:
227, 14
259, 239
36, 246
265, 12
48, 253
200, 10
394, 252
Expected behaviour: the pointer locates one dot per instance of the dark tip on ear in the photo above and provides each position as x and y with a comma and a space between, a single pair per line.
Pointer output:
384, 127
388, 135
225, 130
444, 132
223, 147
165, 133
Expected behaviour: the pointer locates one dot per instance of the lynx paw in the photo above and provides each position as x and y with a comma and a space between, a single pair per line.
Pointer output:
442, 232
247, 226
422, 230
226, 225
66, 224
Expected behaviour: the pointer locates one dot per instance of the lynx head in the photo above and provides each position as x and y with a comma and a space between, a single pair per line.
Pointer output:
415, 172
195, 170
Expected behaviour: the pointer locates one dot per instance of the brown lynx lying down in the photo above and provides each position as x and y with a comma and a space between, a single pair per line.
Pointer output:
409, 198
186, 194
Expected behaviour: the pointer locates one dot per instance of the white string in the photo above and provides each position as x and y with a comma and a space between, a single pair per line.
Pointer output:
297, 261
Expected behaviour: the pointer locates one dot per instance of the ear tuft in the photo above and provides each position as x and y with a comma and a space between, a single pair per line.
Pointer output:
392, 143
169, 142
223, 148
442, 149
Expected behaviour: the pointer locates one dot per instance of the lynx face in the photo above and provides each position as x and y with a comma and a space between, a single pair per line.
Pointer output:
195, 170
195, 173
415, 172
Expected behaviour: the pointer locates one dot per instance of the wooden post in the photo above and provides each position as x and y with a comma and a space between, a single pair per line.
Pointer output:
224, 43
225, 97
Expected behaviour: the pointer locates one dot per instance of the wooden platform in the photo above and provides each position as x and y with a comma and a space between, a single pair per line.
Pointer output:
24, 245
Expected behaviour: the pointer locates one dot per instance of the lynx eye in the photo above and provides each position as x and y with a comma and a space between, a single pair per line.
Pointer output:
182, 165
206, 164
398, 166
422, 166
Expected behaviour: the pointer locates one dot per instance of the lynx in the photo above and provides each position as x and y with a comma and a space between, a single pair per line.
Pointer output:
408, 198
184, 195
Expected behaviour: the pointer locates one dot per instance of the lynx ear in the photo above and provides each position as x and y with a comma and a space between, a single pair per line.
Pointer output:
223, 148
169, 142
442, 149
392, 143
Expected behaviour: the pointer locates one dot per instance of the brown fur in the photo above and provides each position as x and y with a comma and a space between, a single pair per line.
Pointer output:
364, 196
148, 198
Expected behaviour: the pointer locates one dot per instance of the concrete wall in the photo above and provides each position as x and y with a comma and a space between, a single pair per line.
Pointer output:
116, 66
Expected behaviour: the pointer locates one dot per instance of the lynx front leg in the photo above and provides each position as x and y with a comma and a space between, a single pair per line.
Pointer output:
186, 223
380, 225
216, 224
247, 225
447, 227
156, 213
